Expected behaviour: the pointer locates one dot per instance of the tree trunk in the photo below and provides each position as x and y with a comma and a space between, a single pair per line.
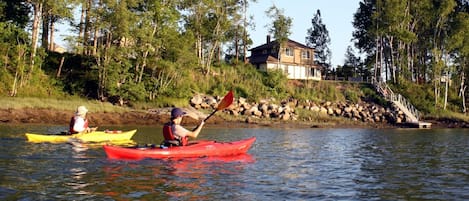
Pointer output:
35, 35
392, 62
446, 91
86, 31
59, 71
51, 34
462, 90
95, 41
245, 35
81, 28
376, 74
236, 47
45, 28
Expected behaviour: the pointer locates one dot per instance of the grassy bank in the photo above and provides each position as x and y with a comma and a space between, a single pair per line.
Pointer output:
65, 104
302, 91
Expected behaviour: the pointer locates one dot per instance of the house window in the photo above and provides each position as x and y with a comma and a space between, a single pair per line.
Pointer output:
305, 54
288, 51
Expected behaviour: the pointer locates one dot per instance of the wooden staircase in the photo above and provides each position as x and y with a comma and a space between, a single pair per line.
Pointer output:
411, 113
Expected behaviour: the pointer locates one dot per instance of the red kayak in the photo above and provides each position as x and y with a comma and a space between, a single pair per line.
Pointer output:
194, 149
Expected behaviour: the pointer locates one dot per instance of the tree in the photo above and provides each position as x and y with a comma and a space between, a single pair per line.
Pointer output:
15, 12
280, 28
238, 34
208, 21
364, 35
415, 41
246, 22
37, 17
53, 11
352, 64
318, 38
459, 50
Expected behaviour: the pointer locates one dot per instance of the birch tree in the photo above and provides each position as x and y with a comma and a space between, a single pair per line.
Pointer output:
280, 28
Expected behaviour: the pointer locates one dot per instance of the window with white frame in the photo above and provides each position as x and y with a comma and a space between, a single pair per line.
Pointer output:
289, 51
305, 54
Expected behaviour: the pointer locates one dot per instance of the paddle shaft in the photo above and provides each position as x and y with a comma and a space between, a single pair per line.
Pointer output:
225, 102
211, 114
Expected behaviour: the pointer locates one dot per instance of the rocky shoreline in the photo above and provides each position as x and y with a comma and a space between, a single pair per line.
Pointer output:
362, 114
240, 114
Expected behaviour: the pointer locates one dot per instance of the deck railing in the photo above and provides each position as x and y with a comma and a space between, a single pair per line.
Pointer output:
401, 101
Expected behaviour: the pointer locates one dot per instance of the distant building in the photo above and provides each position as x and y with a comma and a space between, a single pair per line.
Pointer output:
58, 48
296, 59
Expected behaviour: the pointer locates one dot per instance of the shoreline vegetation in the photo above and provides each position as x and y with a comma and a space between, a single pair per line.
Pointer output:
16, 110
141, 61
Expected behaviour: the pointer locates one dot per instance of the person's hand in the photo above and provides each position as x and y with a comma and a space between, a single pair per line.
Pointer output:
89, 130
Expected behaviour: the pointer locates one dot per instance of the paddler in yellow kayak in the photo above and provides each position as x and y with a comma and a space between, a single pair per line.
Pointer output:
79, 123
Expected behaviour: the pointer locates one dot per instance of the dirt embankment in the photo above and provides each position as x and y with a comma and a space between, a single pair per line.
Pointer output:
49, 116
56, 117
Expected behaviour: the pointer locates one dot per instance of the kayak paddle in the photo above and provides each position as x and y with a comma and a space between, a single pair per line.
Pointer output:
225, 102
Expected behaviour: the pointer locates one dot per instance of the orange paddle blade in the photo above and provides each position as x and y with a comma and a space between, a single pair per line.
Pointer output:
226, 101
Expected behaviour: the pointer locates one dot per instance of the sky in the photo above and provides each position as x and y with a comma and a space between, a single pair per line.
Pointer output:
337, 15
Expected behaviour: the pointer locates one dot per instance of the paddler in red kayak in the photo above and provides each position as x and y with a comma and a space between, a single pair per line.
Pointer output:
176, 135
79, 122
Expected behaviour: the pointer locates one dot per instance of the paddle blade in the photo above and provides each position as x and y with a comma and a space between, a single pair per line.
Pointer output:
226, 101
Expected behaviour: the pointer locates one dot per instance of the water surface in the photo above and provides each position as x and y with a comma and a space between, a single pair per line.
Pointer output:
283, 164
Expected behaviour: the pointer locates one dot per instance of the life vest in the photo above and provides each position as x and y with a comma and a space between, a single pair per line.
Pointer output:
170, 139
72, 123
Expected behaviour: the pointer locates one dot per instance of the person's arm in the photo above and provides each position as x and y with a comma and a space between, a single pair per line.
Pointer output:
182, 132
196, 132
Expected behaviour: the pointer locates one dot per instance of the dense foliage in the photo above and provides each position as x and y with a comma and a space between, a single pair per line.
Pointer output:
161, 51
419, 47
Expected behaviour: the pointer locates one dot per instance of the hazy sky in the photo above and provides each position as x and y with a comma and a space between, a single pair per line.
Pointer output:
337, 15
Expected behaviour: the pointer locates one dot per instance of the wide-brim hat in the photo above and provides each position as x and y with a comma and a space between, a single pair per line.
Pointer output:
81, 110
177, 112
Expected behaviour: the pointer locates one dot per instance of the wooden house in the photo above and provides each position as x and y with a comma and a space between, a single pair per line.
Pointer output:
296, 59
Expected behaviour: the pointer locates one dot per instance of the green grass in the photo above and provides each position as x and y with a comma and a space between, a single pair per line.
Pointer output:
449, 115
59, 104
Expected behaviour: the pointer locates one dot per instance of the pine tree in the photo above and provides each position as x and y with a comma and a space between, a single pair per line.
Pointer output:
318, 38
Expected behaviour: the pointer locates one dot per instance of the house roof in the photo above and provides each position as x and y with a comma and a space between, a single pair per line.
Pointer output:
275, 43
262, 59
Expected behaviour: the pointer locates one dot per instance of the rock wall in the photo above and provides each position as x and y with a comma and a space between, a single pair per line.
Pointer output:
287, 110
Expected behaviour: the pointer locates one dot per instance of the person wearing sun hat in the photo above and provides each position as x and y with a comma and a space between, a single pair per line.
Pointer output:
174, 133
79, 123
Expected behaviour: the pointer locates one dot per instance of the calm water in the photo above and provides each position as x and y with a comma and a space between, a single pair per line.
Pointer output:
283, 164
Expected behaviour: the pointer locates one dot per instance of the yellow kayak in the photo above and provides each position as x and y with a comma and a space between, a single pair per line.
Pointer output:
96, 136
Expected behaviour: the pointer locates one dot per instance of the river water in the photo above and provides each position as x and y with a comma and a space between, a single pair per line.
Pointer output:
283, 164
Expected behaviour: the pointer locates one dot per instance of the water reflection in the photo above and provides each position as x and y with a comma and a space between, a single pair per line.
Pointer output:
283, 164
181, 179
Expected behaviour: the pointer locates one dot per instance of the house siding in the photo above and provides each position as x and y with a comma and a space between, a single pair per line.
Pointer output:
295, 66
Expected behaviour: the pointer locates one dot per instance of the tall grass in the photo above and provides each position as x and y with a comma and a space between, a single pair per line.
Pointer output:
66, 104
